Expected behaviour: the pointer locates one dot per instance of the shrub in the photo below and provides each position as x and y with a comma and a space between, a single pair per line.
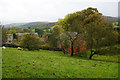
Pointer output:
11, 45
30, 42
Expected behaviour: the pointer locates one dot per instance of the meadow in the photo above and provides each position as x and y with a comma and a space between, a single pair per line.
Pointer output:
56, 64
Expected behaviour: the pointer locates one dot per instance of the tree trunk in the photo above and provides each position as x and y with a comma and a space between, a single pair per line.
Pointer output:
72, 48
91, 55
63, 50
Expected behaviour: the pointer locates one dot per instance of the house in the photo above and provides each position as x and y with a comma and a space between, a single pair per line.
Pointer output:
20, 35
10, 38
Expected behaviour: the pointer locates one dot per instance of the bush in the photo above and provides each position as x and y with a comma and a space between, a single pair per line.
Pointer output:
11, 45
51, 48
30, 42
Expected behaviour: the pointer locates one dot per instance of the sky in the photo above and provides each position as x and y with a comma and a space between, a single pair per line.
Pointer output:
19, 11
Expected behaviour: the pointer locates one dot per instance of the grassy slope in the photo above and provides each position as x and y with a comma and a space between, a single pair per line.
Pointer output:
53, 64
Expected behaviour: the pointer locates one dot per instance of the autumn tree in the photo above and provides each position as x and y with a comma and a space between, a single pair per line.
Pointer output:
68, 35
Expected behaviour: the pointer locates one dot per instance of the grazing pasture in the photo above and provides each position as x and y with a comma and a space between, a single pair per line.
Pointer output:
54, 64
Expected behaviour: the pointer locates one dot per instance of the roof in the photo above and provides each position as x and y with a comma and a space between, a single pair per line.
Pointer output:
10, 34
21, 34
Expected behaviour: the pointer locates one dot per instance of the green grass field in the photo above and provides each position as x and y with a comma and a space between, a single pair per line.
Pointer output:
54, 64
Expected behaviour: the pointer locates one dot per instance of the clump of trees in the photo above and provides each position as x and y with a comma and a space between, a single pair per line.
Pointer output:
30, 42
91, 24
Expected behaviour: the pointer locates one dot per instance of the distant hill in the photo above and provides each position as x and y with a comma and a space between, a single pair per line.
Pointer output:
43, 25
111, 19
14, 25
31, 25
49, 24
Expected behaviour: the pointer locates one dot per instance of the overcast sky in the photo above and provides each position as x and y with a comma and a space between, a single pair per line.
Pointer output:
17, 11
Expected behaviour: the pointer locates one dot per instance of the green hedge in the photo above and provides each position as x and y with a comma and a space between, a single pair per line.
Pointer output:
11, 45
44, 48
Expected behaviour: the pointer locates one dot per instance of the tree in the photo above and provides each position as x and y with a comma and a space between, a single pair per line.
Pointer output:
64, 42
30, 42
99, 36
68, 37
19, 30
71, 40
53, 38
26, 30
4, 35
15, 36
39, 31
12, 31
71, 35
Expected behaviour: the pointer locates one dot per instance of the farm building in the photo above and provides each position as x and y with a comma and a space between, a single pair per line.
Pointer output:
10, 38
